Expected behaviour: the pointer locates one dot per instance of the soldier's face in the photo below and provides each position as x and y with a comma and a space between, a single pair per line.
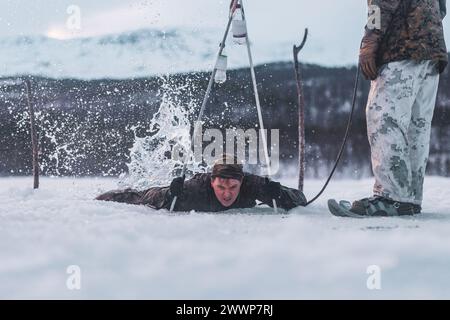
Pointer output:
226, 190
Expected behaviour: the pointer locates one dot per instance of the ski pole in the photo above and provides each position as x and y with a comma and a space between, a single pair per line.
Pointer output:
205, 99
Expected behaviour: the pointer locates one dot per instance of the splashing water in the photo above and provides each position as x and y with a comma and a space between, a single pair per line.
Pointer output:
96, 135
152, 161
58, 139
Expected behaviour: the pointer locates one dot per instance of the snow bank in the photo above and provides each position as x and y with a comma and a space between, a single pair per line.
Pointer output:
127, 251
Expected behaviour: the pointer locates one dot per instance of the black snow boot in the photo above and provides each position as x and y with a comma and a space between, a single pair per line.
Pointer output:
382, 207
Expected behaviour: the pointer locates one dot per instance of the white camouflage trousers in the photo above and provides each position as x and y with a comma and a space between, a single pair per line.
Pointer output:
399, 113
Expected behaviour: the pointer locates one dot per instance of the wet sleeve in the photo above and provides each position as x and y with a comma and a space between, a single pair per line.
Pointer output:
193, 197
289, 197
157, 198
129, 196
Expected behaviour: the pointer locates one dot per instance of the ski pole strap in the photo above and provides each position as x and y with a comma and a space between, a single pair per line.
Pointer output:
234, 5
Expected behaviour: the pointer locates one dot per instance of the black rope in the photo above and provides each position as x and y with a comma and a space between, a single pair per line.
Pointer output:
347, 131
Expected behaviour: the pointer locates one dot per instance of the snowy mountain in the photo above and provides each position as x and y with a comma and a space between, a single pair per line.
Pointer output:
139, 53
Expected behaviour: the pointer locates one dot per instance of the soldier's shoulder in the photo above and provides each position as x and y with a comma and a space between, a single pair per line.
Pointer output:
250, 178
199, 178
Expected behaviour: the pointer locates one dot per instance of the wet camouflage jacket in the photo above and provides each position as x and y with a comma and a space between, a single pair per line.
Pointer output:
411, 30
198, 195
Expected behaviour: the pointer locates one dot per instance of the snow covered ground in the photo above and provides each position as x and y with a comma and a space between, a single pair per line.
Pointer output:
126, 251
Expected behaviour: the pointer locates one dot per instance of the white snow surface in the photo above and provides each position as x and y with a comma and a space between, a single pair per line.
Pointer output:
127, 251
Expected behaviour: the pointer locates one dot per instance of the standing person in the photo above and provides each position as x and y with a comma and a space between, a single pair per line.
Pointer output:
403, 52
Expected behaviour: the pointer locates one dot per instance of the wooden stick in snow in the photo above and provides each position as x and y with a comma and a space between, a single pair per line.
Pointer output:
34, 140
301, 114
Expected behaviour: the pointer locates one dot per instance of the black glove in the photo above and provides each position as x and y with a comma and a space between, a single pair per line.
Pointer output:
273, 189
368, 54
176, 186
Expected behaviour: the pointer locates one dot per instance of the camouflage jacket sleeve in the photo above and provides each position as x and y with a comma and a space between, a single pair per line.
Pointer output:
157, 198
289, 198
407, 30
387, 10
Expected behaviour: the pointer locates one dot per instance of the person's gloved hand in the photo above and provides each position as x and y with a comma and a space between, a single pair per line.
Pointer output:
273, 189
176, 186
368, 54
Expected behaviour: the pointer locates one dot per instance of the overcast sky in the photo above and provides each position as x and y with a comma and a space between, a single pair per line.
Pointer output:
333, 24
